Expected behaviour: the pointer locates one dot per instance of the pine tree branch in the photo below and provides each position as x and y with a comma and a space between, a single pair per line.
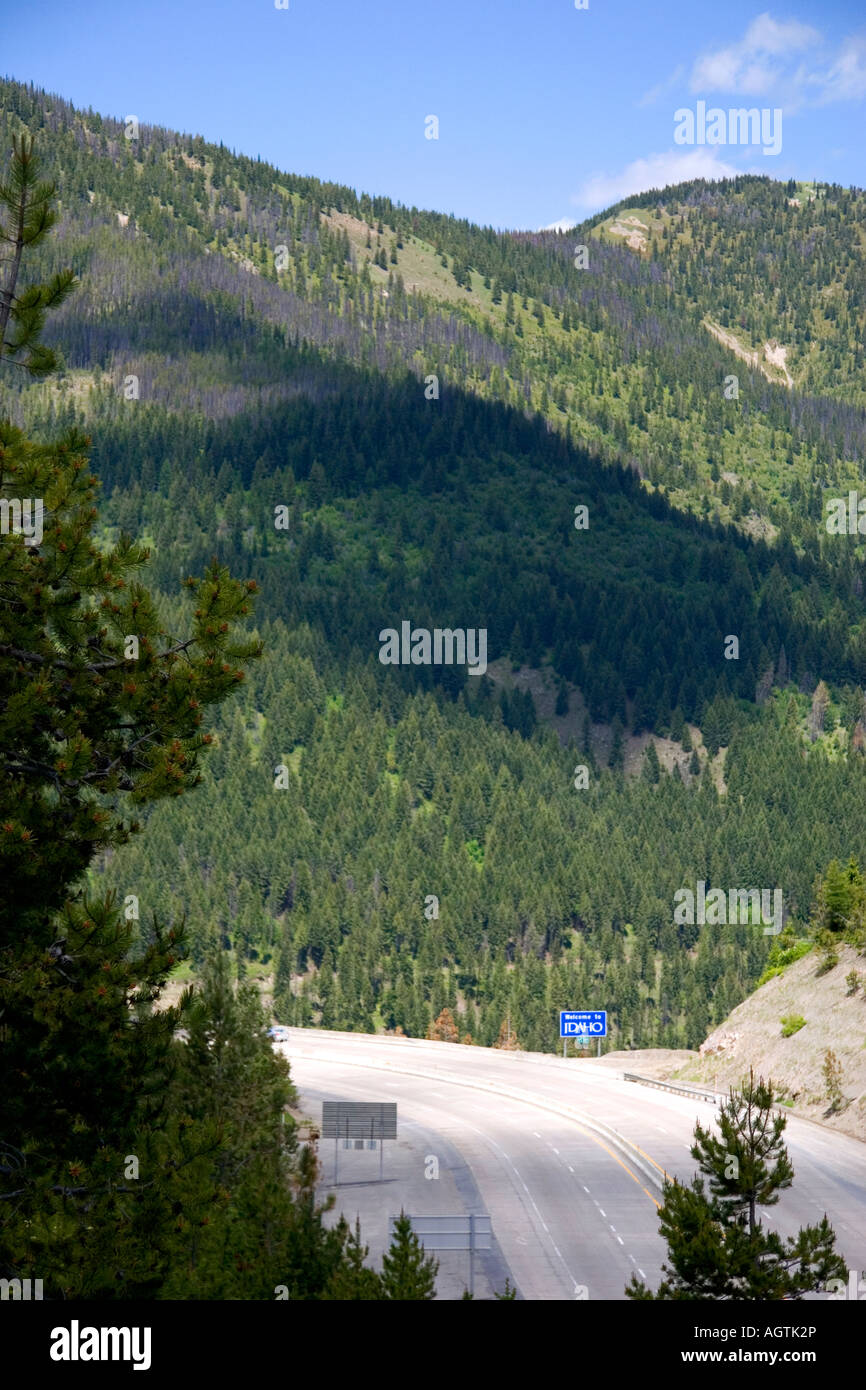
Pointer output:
34, 658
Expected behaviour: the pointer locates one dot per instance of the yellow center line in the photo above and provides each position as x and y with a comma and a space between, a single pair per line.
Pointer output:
594, 1137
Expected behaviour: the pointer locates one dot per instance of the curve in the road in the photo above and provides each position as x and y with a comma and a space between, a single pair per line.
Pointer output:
556, 1230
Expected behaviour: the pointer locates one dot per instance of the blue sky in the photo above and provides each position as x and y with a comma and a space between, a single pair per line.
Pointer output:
546, 112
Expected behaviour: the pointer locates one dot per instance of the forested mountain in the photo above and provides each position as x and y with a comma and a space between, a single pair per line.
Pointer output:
616, 348
433, 402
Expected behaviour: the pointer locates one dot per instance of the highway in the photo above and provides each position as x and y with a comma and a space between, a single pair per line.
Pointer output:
565, 1156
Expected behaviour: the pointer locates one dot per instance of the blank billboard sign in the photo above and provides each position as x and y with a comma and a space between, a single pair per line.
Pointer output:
473, 1232
359, 1119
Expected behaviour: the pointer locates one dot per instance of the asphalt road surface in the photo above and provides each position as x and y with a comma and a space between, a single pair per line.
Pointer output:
566, 1157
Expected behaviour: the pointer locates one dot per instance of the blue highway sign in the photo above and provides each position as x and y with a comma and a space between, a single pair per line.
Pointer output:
575, 1023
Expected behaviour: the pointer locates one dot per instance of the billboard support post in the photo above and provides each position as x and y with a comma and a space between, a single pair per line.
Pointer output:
471, 1255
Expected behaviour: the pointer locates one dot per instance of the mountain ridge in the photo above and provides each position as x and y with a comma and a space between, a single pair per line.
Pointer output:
215, 396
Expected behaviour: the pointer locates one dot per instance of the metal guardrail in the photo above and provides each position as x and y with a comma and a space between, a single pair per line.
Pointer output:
696, 1092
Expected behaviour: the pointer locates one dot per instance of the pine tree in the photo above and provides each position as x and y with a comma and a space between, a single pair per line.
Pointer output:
244, 1222
818, 711
26, 218
717, 1247
354, 1281
407, 1273
616, 756
652, 766
443, 1028
98, 706
840, 899
507, 1039
832, 1072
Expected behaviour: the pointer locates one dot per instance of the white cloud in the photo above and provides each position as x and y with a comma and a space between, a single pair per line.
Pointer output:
767, 35
656, 171
561, 226
761, 63
846, 79
783, 61
744, 66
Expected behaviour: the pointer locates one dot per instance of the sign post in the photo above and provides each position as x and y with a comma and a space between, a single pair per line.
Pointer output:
472, 1232
582, 1024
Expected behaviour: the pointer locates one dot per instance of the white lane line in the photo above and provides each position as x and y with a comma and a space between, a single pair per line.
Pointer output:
499, 1150
620, 1239
586, 1189
613, 1228
604, 1213
536, 1133
633, 1260
555, 1149
556, 1248
498, 1147
570, 1169
662, 1129
640, 1272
